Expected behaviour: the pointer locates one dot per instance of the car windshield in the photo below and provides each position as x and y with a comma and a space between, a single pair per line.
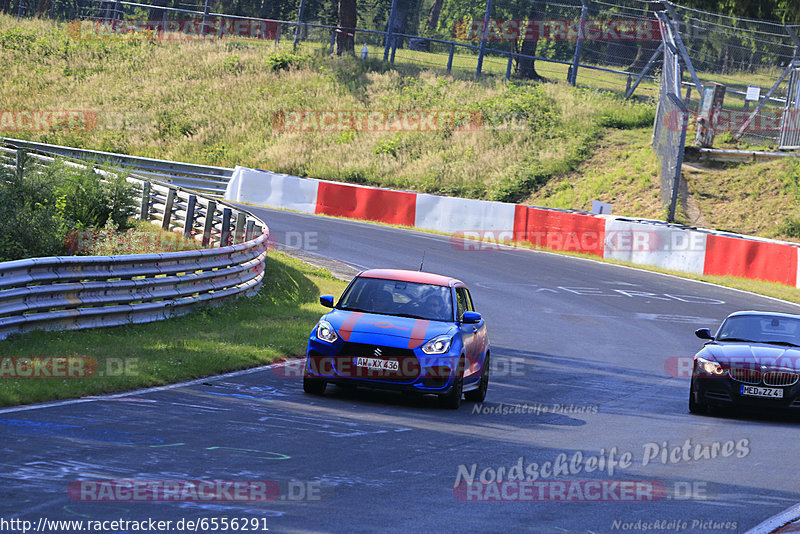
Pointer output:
393, 297
761, 329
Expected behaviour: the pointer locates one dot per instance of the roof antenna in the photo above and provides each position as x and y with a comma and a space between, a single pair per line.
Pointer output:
423, 261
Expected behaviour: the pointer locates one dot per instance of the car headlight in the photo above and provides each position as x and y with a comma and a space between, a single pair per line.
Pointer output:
710, 367
325, 332
437, 345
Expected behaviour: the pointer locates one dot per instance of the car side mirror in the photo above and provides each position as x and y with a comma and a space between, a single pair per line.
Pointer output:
703, 333
326, 300
471, 317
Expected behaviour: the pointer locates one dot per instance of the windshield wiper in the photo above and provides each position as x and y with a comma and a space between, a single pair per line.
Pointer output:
738, 339
409, 315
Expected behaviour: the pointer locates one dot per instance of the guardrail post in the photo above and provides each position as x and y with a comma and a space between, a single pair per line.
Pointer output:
19, 162
188, 224
249, 230
144, 211
225, 234
238, 231
209, 222
450, 58
168, 210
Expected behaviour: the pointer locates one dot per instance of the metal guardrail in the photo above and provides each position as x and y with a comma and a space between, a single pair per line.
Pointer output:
73, 292
203, 178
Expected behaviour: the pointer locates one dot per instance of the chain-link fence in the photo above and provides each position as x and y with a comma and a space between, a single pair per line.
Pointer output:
669, 130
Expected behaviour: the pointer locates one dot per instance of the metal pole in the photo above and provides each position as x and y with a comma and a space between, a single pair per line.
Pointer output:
508, 67
450, 58
388, 40
225, 232
740, 132
299, 22
484, 35
188, 224
205, 14
573, 72
209, 222
644, 70
678, 41
168, 210
144, 211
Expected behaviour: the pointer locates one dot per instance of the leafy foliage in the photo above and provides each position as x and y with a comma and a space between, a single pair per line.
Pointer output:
41, 205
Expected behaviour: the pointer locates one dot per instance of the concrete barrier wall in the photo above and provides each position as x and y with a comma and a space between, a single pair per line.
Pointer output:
647, 244
642, 243
266, 188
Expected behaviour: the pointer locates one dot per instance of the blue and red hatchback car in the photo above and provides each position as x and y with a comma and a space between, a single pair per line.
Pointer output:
402, 330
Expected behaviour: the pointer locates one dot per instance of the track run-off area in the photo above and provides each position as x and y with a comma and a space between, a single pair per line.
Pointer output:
586, 415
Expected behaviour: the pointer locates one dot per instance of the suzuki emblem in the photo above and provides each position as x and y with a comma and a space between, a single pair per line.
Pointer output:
378, 352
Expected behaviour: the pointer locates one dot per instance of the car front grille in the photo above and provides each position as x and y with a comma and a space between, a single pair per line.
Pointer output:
748, 375
408, 365
774, 378
780, 378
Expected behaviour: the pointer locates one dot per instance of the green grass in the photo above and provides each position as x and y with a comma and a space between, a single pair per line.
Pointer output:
216, 102
242, 333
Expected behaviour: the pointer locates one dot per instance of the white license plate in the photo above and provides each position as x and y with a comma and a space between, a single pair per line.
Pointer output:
756, 391
378, 364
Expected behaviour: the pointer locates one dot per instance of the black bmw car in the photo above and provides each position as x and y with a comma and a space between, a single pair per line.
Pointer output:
752, 361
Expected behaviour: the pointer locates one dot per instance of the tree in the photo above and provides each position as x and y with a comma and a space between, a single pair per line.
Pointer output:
433, 16
345, 37
526, 66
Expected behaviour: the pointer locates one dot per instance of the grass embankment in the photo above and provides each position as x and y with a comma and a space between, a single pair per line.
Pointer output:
215, 103
238, 334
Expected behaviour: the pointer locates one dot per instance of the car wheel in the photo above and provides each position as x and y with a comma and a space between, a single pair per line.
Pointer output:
694, 406
314, 386
452, 399
478, 395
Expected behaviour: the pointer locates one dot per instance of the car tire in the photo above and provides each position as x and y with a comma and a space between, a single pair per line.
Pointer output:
694, 406
314, 386
479, 395
452, 399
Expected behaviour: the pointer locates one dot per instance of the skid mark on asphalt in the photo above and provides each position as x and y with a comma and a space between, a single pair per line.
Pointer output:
337, 429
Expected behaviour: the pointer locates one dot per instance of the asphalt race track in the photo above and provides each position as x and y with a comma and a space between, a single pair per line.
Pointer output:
588, 358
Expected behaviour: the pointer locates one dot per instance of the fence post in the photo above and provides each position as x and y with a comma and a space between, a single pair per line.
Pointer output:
168, 210
205, 15
388, 39
238, 231
333, 40
484, 35
225, 233
299, 21
450, 59
508, 67
116, 10
572, 74
144, 209
188, 224
209, 222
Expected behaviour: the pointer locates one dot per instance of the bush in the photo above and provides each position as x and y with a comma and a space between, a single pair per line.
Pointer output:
42, 204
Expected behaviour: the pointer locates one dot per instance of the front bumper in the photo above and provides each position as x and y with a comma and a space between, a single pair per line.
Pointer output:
723, 391
416, 371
